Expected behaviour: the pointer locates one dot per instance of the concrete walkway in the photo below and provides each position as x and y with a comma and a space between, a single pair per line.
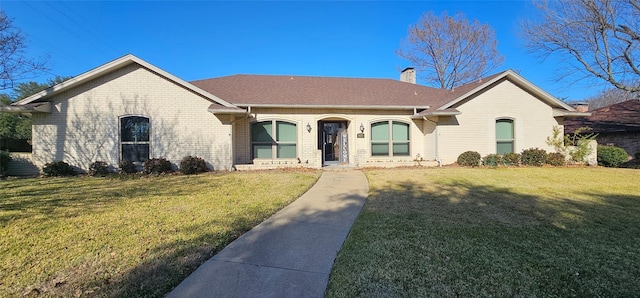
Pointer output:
291, 253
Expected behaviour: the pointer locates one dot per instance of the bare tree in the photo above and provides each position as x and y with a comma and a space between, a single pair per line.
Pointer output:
601, 38
14, 66
610, 96
450, 51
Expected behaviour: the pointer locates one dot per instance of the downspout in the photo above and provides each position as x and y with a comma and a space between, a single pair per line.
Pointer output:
436, 141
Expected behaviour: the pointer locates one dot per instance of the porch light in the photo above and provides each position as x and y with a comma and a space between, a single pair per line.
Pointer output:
308, 127
361, 127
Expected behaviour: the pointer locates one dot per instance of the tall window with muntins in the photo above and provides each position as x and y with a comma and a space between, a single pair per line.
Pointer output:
274, 138
504, 136
390, 138
134, 138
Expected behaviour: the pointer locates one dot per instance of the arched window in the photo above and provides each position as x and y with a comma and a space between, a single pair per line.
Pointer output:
134, 138
274, 138
390, 138
504, 136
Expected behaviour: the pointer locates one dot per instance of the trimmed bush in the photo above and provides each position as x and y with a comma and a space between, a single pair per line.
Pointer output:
127, 167
193, 165
511, 159
469, 159
5, 158
492, 160
157, 166
611, 156
58, 169
555, 159
534, 157
99, 168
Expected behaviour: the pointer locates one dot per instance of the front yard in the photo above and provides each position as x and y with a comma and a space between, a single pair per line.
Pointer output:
506, 232
127, 236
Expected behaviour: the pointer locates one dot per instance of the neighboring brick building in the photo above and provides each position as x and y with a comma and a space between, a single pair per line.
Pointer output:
617, 125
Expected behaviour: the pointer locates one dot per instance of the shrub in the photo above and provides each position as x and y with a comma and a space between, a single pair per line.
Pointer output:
511, 159
555, 159
193, 165
611, 156
157, 166
127, 167
492, 160
99, 168
58, 169
469, 159
533, 157
5, 158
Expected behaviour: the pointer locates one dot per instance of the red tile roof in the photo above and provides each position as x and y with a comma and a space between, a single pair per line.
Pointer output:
620, 117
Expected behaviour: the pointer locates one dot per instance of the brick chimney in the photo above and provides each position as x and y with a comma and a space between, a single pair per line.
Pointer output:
408, 75
581, 106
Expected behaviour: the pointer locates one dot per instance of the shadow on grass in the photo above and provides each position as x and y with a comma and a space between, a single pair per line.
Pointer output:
465, 238
464, 201
292, 252
275, 246
51, 198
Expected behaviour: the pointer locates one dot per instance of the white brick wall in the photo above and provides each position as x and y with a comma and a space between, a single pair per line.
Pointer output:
83, 124
308, 152
475, 130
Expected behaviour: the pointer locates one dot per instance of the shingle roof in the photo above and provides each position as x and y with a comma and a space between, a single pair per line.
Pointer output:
620, 117
278, 90
246, 90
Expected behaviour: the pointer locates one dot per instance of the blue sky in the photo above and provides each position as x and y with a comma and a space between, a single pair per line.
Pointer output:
205, 39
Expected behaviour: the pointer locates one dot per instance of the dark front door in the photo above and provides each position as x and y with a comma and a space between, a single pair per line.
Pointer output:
332, 138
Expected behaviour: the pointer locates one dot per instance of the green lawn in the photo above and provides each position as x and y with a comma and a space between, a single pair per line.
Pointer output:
128, 237
507, 232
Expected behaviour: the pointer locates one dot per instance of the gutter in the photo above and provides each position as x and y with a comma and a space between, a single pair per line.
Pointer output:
38, 107
353, 107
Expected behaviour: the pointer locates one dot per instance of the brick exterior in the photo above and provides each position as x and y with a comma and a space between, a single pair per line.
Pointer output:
83, 126
629, 141
308, 152
475, 128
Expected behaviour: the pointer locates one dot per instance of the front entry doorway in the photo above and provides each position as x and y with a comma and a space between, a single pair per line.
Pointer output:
333, 140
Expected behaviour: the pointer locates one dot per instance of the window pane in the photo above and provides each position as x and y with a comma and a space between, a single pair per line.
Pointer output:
134, 129
262, 151
504, 148
380, 131
400, 149
504, 129
380, 149
287, 151
135, 153
400, 131
286, 132
261, 132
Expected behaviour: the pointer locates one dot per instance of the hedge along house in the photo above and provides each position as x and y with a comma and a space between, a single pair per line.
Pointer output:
131, 110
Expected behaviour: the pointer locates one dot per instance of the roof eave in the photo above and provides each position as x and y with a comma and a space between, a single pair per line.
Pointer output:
224, 111
114, 65
41, 107
565, 113
436, 113
528, 85
353, 107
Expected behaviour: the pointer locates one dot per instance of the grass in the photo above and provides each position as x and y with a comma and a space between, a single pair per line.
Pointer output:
127, 236
508, 232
